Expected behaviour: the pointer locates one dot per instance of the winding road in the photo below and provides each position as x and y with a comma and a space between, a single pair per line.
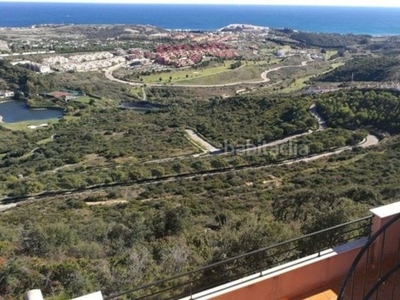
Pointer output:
321, 121
369, 141
8, 203
109, 75
201, 142
209, 149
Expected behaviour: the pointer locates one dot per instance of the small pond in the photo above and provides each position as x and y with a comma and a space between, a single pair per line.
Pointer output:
18, 111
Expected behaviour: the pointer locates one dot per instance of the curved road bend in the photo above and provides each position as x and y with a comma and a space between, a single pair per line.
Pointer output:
321, 122
109, 76
210, 149
314, 113
10, 203
369, 141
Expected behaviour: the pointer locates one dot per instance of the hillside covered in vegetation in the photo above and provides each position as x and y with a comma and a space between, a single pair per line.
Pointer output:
328, 40
85, 242
118, 193
364, 69
368, 108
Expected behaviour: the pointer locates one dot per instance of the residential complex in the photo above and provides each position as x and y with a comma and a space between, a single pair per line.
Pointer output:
190, 54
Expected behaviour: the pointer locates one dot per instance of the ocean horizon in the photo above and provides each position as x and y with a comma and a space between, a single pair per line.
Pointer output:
344, 20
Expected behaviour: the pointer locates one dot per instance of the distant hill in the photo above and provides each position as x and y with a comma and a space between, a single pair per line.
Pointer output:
364, 69
387, 45
328, 40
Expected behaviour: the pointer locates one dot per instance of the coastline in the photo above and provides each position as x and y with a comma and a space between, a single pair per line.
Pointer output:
323, 19
195, 29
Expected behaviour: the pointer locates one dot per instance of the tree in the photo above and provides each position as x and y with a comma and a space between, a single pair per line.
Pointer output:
218, 163
2, 84
235, 65
157, 171
166, 224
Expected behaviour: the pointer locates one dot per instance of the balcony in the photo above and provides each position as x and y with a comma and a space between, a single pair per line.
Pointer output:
356, 260
365, 268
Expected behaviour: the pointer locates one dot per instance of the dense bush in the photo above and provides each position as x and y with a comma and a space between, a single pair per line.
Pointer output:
355, 109
364, 69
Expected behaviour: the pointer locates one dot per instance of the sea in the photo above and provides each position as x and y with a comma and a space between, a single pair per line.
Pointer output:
345, 20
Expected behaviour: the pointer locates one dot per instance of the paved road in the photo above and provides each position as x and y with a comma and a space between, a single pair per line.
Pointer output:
264, 74
321, 122
211, 150
371, 140
203, 143
206, 146
274, 143
109, 76
313, 111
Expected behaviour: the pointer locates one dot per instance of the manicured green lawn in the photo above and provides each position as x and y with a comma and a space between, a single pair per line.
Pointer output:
298, 84
24, 125
330, 53
84, 99
184, 74
220, 73
250, 72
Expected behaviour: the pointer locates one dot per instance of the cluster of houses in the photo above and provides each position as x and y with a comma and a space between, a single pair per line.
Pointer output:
311, 56
55, 60
60, 60
189, 54
134, 53
244, 28
83, 62
90, 65
6, 94
166, 55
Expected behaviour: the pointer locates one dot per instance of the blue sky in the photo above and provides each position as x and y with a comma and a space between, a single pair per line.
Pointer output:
376, 3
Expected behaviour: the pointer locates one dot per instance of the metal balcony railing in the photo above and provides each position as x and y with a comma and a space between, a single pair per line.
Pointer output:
252, 263
368, 276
